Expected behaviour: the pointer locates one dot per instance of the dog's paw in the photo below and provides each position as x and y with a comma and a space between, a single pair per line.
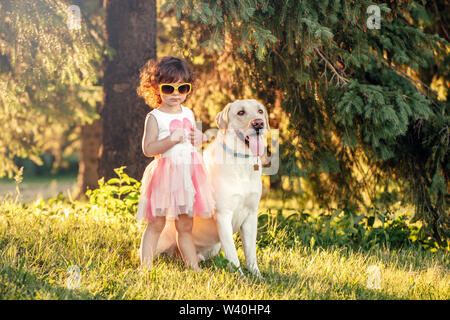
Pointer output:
257, 274
201, 257
233, 268
240, 273
255, 271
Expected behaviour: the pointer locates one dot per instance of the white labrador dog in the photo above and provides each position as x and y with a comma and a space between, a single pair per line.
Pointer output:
234, 165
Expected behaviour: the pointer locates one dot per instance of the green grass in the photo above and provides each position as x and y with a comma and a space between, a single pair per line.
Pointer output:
39, 241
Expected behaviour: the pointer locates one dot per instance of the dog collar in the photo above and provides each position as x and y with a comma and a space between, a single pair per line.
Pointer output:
236, 154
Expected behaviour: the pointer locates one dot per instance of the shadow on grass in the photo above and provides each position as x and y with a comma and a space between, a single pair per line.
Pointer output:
331, 290
17, 283
309, 287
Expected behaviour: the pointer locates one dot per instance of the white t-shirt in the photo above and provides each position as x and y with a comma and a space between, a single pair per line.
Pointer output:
167, 122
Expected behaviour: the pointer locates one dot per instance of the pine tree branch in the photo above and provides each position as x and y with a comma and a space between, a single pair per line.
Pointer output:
416, 83
408, 77
340, 79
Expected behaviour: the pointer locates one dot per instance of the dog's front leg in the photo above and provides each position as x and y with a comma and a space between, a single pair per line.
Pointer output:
225, 230
248, 234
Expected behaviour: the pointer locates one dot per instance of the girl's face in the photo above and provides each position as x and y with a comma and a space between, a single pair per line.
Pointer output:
175, 99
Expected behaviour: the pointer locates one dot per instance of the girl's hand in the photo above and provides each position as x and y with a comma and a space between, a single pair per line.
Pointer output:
196, 137
178, 135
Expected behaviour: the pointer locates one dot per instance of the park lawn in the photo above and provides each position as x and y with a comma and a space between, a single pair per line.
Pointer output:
35, 187
40, 241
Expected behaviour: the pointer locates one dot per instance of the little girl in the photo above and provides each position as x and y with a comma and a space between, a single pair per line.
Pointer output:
175, 184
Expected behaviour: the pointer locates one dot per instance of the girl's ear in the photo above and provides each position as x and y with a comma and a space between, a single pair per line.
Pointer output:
222, 117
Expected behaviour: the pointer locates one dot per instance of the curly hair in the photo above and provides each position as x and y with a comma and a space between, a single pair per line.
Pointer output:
167, 69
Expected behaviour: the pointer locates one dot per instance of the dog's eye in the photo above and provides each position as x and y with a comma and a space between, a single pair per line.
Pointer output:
260, 111
241, 113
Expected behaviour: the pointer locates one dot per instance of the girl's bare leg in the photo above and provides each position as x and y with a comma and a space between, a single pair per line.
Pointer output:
185, 241
149, 241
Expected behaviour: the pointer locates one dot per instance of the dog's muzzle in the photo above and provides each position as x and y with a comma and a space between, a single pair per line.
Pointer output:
254, 141
257, 124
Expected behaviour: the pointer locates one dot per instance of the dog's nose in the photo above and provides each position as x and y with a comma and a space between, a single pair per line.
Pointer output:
257, 124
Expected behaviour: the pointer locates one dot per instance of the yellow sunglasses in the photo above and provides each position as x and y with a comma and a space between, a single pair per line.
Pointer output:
183, 88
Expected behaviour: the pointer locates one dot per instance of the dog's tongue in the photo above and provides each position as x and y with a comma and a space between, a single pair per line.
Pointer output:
256, 144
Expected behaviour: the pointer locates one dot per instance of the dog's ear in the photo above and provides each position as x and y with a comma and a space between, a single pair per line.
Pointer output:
222, 117
266, 117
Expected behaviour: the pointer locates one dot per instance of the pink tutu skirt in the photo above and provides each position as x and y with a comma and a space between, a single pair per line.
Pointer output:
174, 185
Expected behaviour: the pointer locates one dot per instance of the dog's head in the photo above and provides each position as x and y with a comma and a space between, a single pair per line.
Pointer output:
248, 119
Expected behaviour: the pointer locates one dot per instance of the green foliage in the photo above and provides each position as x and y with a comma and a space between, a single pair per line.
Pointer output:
380, 114
343, 228
118, 195
255, 37
48, 77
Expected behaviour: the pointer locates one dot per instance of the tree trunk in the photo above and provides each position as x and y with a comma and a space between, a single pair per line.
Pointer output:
91, 139
131, 32
275, 119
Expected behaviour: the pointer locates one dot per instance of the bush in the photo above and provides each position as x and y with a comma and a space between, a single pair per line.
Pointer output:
341, 228
119, 194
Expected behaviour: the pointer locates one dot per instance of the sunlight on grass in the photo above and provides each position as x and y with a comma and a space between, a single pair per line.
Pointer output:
38, 242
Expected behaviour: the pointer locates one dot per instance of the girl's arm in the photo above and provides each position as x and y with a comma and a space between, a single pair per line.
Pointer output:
150, 146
